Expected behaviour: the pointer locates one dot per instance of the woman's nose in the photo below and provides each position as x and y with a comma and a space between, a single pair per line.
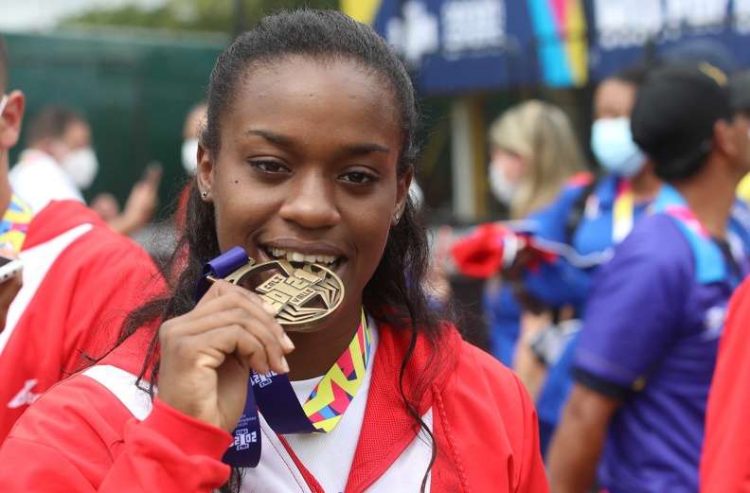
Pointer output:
311, 202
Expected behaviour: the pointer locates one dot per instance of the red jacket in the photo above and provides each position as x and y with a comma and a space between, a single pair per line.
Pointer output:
80, 279
80, 438
725, 463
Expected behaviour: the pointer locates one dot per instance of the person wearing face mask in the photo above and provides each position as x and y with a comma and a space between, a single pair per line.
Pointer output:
78, 282
593, 220
59, 162
191, 130
645, 356
590, 216
194, 121
534, 155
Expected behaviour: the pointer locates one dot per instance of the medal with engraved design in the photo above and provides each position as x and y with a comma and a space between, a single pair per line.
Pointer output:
302, 294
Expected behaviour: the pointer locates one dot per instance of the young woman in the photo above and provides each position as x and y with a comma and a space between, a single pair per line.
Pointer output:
592, 218
534, 155
308, 155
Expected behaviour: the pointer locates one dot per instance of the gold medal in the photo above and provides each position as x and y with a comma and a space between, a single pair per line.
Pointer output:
301, 294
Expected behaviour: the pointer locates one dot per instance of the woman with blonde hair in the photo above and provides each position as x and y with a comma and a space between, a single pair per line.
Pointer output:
534, 155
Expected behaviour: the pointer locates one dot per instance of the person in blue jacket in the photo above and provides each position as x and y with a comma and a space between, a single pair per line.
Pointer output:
590, 217
534, 154
646, 353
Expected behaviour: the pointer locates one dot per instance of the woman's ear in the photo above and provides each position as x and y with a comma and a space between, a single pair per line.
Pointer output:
205, 172
12, 117
402, 194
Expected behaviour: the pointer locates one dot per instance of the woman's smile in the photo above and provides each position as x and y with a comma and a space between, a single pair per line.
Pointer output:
295, 250
307, 170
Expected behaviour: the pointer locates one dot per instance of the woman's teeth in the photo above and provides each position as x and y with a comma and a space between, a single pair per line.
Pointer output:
280, 253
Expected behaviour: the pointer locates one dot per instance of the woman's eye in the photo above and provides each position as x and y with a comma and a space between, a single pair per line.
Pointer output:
269, 166
358, 177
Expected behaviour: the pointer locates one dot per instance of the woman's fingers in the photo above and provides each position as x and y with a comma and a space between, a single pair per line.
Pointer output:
206, 354
227, 341
268, 312
259, 329
223, 295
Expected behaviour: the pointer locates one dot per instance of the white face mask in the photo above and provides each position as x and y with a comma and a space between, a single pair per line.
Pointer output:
190, 156
82, 166
502, 188
612, 144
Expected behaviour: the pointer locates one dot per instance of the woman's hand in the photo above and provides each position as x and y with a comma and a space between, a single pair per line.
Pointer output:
8, 291
207, 354
531, 371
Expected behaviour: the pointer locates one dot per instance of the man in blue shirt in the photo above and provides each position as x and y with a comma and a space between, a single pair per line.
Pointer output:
648, 346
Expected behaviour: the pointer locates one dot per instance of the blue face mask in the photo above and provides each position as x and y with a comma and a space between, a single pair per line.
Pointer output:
613, 146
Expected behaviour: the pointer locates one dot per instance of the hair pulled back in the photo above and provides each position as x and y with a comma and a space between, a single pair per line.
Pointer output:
394, 294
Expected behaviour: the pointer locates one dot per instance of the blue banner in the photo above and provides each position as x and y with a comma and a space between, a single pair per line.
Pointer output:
457, 46
621, 28
464, 45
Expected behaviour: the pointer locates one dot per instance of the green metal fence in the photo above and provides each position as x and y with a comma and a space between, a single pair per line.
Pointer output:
134, 89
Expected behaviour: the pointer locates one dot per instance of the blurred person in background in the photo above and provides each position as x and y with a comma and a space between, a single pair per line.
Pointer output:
534, 154
59, 162
79, 281
593, 219
741, 99
725, 460
191, 130
646, 353
591, 216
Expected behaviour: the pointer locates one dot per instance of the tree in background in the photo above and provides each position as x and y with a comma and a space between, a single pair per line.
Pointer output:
228, 16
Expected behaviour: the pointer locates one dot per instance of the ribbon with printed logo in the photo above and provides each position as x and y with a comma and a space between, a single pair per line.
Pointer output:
273, 394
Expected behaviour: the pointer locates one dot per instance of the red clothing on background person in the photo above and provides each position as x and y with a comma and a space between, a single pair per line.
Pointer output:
725, 462
81, 437
80, 280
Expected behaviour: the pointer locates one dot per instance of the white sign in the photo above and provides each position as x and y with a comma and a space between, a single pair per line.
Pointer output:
468, 26
741, 14
472, 25
629, 23
416, 35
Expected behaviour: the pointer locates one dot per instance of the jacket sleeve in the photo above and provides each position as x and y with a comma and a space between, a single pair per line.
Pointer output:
531, 475
63, 444
725, 464
557, 283
487, 430
116, 277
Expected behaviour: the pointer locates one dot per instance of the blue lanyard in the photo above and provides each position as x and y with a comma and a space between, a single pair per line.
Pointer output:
271, 393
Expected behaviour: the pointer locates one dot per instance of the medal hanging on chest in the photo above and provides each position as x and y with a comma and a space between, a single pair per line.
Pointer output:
302, 295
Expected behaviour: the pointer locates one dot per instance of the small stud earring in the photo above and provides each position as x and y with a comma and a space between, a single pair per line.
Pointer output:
395, 219
204, 195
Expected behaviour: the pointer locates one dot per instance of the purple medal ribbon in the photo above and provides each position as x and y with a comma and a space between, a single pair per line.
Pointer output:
271, 393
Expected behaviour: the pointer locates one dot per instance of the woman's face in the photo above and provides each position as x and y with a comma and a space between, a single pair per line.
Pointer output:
307, 167
614, 99
511, 165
